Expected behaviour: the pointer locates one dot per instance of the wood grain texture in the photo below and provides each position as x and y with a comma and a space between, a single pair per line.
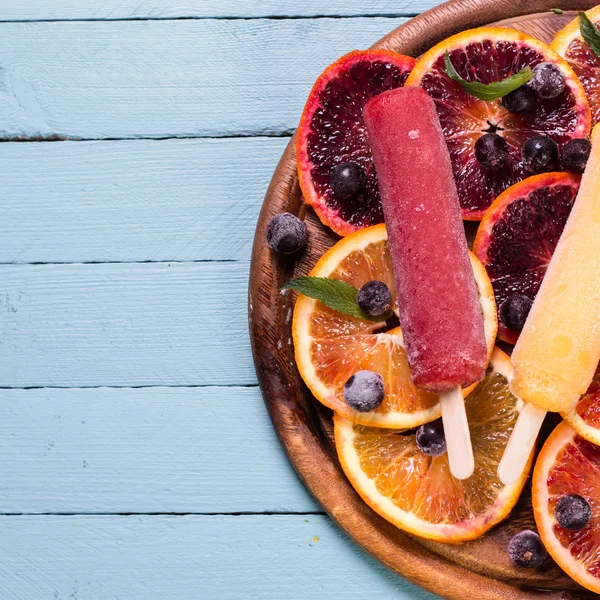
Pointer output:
184, 450
129, 79
124, 325
481, 569
189, 557
35, 10
142, 200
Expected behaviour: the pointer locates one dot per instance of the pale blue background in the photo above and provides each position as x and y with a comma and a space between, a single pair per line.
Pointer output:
137, 459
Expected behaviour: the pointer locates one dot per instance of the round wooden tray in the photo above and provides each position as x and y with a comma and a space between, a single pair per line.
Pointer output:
478, 570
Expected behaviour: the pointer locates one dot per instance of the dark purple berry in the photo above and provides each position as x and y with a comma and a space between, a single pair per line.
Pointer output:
520, 101
514, 310
573, 512
525, 549
575, 154
540, 154
491, 150
348, 180
548, 80
431, 439
364, 391
374, 298
286, 233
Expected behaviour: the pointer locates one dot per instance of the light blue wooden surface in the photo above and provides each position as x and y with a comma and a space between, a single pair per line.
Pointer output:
171, 78
138, 459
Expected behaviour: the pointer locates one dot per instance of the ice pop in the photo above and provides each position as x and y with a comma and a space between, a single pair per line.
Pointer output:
559, 348
440, 314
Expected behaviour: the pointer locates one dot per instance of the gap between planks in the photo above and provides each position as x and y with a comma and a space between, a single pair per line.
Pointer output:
125, 262
222, 18
165, 514
128, 387
288, 133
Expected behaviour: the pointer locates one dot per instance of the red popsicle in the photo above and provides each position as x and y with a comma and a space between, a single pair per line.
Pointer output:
440, 314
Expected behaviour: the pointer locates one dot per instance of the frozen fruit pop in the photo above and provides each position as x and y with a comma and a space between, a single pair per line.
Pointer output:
440, 315
559, 348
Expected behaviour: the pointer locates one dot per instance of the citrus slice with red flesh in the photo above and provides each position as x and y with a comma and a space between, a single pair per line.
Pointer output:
519, 232
416, 492
332, 132
575, 50
489, 55
584, 417
330, 346
568, 464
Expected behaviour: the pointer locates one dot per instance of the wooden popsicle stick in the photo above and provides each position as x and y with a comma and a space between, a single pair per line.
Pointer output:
520, 443
458, 437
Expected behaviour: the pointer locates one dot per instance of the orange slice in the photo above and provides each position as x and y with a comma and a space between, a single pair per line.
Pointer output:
417, 493
330, 346
487, 55
586, 64
568, 464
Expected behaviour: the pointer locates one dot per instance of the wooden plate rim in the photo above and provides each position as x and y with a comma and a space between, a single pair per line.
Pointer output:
292, 409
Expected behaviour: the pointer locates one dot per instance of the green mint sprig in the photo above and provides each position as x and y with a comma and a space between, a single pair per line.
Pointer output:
489, 91
335, 294
590, 33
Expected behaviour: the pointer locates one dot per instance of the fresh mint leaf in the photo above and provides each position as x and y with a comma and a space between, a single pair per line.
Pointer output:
489, 91
337, 295
590, 33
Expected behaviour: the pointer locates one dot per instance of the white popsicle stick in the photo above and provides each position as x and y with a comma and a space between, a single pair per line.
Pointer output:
520, 443
458, 437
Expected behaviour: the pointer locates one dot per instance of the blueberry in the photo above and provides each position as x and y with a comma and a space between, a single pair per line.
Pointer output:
575, 154
520, 101
525, 549
374, 298
573, 512
548, 80
491, 150
364, 391
431, 439
540, 154
286, 233
514, 310
348, 180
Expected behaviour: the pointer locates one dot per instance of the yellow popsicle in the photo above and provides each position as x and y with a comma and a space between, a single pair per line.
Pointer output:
559, 348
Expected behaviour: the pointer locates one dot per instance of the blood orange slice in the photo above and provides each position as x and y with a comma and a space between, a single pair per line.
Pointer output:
584, 417
586, 64
330, 346
417, 492
519, 233
568, 464
332, 132
488, 55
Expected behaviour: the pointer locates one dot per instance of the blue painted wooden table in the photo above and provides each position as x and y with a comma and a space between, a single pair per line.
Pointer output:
138, 461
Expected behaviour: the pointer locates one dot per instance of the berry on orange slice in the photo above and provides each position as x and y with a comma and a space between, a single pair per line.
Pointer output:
415, 490
568, 464
332, 133
519, 233
575, 50
489, 55
330, 346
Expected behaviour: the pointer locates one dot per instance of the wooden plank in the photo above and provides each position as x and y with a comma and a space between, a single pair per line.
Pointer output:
140, 200
106, 450
171, 558
124, 325
35, 10
127, 79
